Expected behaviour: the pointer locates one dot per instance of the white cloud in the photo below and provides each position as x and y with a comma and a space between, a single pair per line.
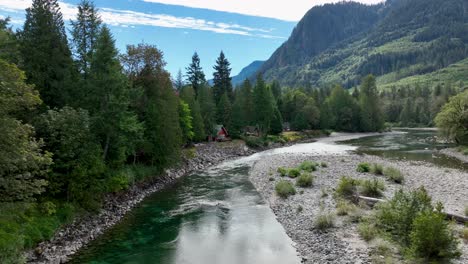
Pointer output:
291, 10
128, 18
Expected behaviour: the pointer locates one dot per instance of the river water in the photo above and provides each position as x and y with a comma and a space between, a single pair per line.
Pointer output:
216, 216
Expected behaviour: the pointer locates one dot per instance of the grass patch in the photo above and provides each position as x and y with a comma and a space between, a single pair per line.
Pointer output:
363, 167
308, 166
282, 171
367, 231
284, 189
305, 180
347, 187
324, 221
323, 164
394, 175
377, 169
372, 188
294, 173
344, 207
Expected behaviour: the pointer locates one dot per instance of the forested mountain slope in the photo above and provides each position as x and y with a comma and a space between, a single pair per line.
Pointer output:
340, 43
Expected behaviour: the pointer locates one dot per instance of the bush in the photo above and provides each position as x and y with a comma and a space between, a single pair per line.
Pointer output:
309, 166
305, 180
285, 189
48, 208
324, 221
282, 171
300, 209
347, 187
367, 231
397, 215
377, 169
363, 167
294, 173
344, 207
372, 188
432, 238
394, 175
254, 142
323, 164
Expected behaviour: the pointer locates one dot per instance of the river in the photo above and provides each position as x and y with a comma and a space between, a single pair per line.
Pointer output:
217, 216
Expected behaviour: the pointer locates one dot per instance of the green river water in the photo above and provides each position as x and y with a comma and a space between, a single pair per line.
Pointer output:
216, 216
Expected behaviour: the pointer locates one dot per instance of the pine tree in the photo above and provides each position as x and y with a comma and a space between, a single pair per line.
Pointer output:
117, 128
185, 119
344, 110
207, 108
84, 34
264, 105
187, 94
371, 113
224, 111
179, 82
222, 79
47, 57
195, 75
247, 100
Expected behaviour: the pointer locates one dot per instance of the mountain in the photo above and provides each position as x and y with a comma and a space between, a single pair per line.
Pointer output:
247, 72
397, 40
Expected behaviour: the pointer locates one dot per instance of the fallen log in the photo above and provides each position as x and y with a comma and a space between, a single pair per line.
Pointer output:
450, 216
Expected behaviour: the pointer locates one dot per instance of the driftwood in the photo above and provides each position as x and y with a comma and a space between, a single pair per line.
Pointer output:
458, 218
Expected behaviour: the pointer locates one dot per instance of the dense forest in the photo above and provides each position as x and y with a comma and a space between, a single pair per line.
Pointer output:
393, 41
79, 119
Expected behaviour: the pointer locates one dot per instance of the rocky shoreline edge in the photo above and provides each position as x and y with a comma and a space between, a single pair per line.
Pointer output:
453, 152
342, 244
69, 239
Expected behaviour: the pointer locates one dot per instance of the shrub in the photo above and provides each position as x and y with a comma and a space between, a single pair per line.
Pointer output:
344, 207
271, 179
48, 208
282, 171
377, 169
363, 167
367, 231
372, 188
285, 189
309, 166
324, 221
397, 215
323, 164
394, 175
305, 180
432, 238
294, 173
254, 142
346, 187
323, 192
300, 209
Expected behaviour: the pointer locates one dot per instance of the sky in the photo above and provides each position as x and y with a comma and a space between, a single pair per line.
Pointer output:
245, 30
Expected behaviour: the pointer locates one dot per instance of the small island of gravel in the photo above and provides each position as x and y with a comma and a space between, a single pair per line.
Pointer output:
342, 243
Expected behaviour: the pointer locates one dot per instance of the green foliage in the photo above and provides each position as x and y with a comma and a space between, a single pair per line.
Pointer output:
207, 108
453, 120
432, 238
282, 171
309, 166
254, 142
187, 94
372, 188
371, 115
363, 167
343, 111
284, 189
344, 207
397, 215
265, 106
224, 111
305, 180
347, 187
294, 173
323, 164
185, 119
221, 79
324, 221
367, 230
377, 169
195, 75
394, 174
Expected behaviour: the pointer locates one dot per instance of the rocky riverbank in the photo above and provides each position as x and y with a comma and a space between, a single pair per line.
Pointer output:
453, 152
342, 243
72, 237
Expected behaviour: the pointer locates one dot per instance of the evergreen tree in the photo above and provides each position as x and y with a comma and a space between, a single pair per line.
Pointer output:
207, 108
237, 118
371, 114
222, 79
406, 116
185, 118
344, 109
187, 94
9, 46
276, 126
179, 82
224, 111
23, 164
264, 105
195, 75
117, 128
47, 57
157, 104
84, 34
247, 101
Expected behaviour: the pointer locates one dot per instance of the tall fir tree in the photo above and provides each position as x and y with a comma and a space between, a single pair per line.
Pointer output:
224, 111
371, 114
117, 128
187, 94
47, 58
247, 101
179, 81
195, 75
207, 108
85, 31
222, 78
264, 105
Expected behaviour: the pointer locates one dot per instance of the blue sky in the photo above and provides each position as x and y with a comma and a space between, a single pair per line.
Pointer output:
246, 30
